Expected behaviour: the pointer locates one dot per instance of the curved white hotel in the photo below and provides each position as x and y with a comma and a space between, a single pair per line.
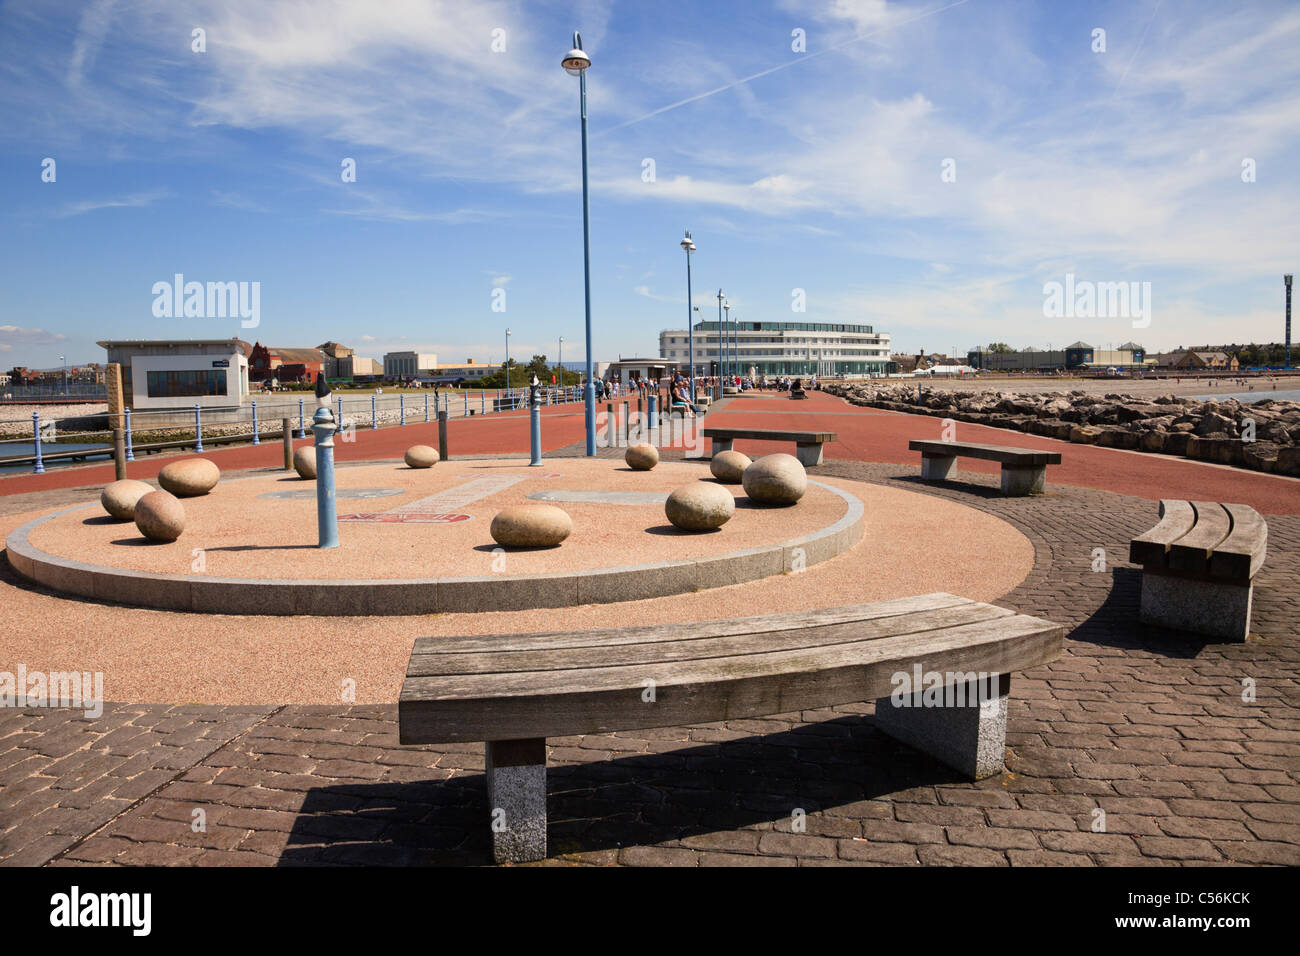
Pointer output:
781, 348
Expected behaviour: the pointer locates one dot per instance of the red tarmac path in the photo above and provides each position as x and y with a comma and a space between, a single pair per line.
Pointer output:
865, 434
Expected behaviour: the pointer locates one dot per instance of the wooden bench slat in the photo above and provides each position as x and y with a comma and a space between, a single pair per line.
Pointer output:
769, 434
1002, 453
564, 703
653, 633
1192, 551
1176, 519
1241, 554
699, 649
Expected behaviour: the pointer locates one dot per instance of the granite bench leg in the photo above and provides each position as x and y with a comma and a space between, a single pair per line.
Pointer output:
1210, 608
966, 734
723, 444
1019, 481
938, 467
516, 785
808, 453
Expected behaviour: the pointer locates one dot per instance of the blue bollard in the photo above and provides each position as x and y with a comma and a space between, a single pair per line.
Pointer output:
401, 409
374, 417
302, 428
39, 467
327, 522
198, 427
653, 410
482, 402
426, 406
130, 455
257, 440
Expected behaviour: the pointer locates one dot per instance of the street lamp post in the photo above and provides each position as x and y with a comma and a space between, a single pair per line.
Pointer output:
726, 323
688, 246
559, 377
575, 63
722, 332
507, 364
65, 374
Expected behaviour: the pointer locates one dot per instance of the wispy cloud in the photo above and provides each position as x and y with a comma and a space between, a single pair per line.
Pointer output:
134, 201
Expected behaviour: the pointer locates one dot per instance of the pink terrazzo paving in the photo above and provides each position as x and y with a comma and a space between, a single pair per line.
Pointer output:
165, 656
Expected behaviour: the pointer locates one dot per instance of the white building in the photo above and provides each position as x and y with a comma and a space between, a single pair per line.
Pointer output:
399, 365
797, 349
166, 373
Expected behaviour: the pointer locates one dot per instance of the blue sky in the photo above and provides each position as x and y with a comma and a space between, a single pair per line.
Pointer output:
817, 170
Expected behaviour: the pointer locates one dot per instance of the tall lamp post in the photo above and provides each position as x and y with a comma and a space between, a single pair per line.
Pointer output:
559, 376
1287, 279
575, 63
64, 360
726, 322
688, 246
507, 363
722, 337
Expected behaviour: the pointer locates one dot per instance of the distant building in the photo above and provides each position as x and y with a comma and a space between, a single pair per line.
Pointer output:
270, 363
1079, 356
780, 348
1206, 360
404, 365
181, 373
358, 365
628, 371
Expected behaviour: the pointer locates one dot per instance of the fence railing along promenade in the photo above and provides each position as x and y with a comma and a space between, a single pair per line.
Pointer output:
262, 418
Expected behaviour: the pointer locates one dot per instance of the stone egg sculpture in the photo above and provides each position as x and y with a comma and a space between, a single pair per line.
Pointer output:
775, 480
160, 516
531, 526
700, 506
119, 498
189, 477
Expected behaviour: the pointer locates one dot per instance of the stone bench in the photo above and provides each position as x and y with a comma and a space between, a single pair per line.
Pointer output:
1199, 565
808, 445
513, 691
1024, 470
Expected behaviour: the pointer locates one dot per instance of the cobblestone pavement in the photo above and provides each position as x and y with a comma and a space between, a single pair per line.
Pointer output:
1148, 727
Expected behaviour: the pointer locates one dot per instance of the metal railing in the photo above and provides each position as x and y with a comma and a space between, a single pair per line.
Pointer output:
149, 431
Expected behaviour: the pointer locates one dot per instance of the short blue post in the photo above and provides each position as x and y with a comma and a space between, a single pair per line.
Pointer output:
535, 423
374, 416
482, 402
401, 409
653, 410
130, 455
302, 427
327, 520
198, 427
465, 395
257, 439
39, 468
426, 406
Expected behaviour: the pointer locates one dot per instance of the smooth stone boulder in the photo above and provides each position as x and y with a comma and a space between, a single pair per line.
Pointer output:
729, 466
700, 506
120, 497
189, 478
160, 516
304, 461
642, 457
421, 456
775, 480
531, 526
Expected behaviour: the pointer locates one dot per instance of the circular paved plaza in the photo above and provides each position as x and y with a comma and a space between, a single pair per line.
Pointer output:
229, 713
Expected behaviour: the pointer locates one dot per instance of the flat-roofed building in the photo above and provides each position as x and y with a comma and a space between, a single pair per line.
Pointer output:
780, 348
181, 373
404, 365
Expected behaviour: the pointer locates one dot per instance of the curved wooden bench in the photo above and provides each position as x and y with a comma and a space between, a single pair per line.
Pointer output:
938, 667
1198, 567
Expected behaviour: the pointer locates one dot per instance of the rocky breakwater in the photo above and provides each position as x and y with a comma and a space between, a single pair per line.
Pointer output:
1263, 436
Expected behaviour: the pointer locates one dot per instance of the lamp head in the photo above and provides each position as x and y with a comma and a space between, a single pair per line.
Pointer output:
575, 62
688, 244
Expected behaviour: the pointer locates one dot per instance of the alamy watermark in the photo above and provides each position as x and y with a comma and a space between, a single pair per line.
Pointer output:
945, 688
78, 689
211, 300
1098, 300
